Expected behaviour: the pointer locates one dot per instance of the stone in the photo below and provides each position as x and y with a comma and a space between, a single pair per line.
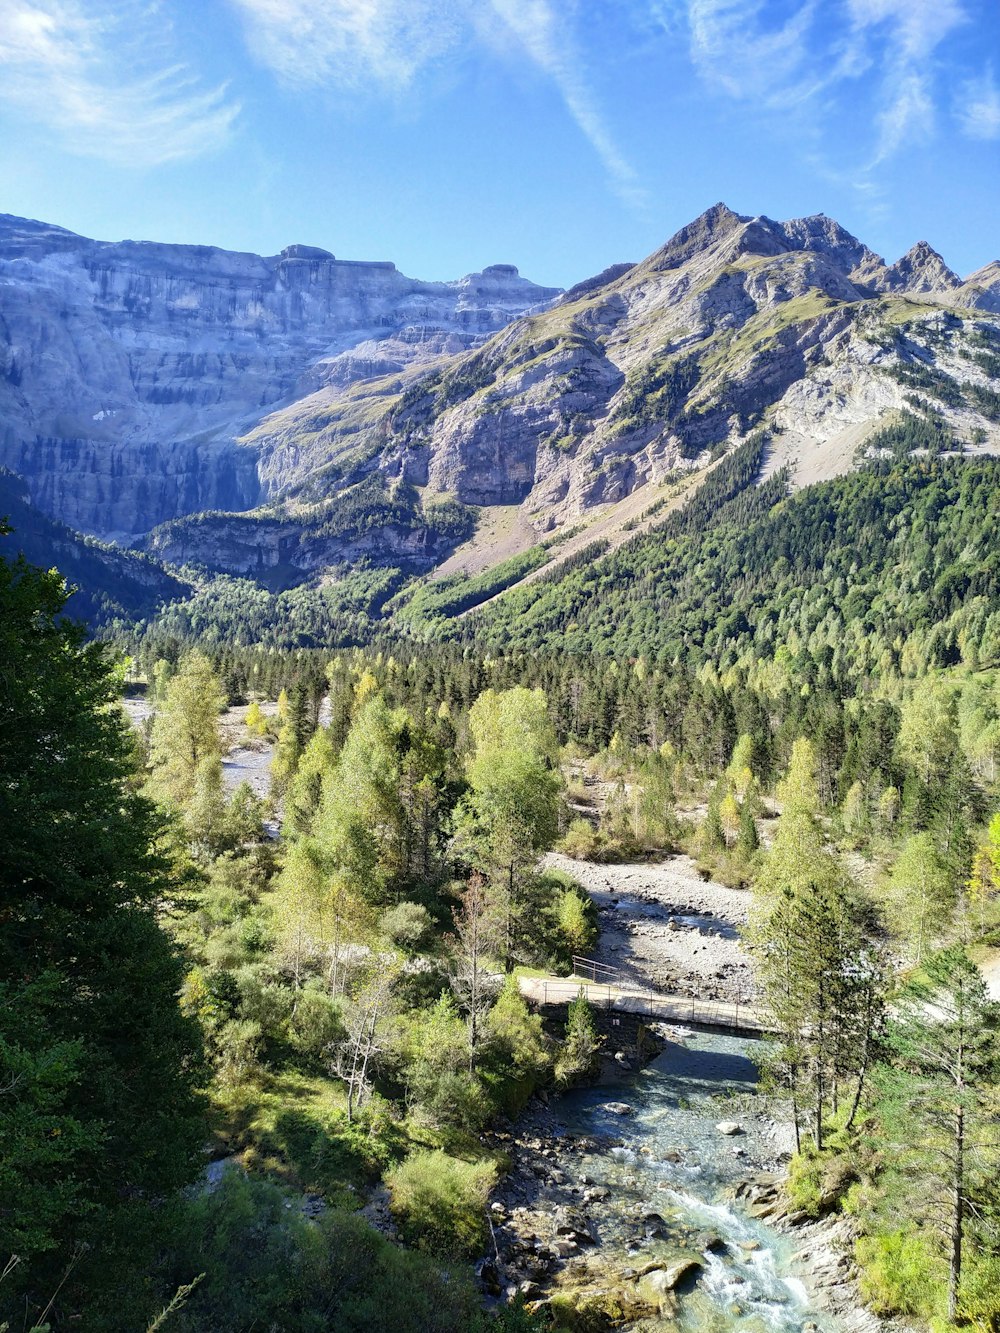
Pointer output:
617, 1108
729, 1127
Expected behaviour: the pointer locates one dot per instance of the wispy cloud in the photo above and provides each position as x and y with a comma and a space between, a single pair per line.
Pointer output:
547, 39
978, 107
818, 51
355, 44
911, 31
350, 43
736, 51
84, 70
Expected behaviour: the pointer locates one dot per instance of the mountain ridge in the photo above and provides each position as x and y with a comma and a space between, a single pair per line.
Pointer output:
620, 387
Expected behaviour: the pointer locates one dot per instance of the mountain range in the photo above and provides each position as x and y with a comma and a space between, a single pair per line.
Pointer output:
289, 416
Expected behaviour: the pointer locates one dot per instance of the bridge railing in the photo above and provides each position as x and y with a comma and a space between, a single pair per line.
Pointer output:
598, 972
607, 993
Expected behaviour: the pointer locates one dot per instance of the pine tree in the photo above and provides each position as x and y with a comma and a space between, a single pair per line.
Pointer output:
97, 1064
938, 1103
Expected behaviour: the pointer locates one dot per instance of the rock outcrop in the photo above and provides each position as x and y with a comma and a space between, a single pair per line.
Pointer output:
129, 370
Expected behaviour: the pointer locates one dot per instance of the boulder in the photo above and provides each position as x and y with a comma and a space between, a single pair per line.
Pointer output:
729, 1127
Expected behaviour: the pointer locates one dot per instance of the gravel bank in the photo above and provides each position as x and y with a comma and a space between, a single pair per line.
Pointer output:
664, 926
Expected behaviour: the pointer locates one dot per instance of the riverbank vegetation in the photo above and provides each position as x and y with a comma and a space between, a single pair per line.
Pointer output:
334, 1011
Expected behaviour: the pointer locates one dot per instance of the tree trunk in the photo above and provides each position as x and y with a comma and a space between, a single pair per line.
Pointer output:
957, 1217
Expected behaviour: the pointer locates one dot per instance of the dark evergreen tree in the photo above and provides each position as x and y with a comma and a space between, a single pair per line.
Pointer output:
97, 1065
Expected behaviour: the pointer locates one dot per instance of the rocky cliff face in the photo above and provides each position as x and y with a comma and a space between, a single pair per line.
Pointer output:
129, 371
734, 323
139, 382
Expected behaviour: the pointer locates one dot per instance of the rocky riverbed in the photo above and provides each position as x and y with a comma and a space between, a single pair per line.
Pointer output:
656, 1201
246, 758
667, 927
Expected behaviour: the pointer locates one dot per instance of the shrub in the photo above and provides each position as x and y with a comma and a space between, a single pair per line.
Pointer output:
581, 840
267, 1267
238, 1043
408, 926
263, 1001
439, 1202
898, 1274
316, 1022
818, 1182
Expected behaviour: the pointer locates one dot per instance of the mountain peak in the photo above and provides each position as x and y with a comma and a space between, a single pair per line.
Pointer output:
709, 227
921, 269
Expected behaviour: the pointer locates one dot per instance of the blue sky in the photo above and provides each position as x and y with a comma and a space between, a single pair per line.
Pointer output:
559, 135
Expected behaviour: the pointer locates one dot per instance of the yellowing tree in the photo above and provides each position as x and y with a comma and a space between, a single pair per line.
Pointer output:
185, 730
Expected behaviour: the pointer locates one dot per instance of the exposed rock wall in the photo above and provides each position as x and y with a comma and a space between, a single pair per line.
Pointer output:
128, 371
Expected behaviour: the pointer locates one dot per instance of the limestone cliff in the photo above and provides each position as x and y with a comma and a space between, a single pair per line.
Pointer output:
128, 371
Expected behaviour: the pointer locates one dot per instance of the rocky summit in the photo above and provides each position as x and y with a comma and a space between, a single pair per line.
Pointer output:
377, 417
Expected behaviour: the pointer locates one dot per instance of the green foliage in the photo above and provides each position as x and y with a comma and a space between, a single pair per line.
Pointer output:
580, 1054
439, 1202
409, 926
266, 1265
818, 1181
316, 1024
753, 575
900, 1274
443, 1091
98, 1065
656, 392
517, 1057
186, 733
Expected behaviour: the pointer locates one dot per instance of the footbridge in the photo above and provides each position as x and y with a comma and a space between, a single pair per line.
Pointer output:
605, 988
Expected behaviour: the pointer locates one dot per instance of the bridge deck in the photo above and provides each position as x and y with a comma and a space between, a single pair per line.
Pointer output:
669, 1008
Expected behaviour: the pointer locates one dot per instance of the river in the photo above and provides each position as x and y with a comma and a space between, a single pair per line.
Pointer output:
627, 1194
674, 1162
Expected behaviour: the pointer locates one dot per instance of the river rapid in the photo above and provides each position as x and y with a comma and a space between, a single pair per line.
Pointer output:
627, 1200
673, 1161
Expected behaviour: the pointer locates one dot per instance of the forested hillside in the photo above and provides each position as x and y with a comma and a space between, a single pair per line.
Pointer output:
891, 568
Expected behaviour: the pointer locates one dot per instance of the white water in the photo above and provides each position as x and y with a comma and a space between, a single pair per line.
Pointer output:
747, 1282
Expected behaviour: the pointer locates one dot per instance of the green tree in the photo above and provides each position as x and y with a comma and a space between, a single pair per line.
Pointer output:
921, 895
294, 729
822, 980
512, 810
97, 1065
185, 730
938, 1107
360, 824
581, 1047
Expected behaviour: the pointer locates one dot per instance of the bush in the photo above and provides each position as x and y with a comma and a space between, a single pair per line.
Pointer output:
408, 926
517, 1058
581, 840
818, 1182
439, 1202
263, 1001
238, 1043
267, 1267
316, 1022
898, 1274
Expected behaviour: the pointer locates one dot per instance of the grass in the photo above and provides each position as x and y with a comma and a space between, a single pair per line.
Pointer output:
293, 1128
